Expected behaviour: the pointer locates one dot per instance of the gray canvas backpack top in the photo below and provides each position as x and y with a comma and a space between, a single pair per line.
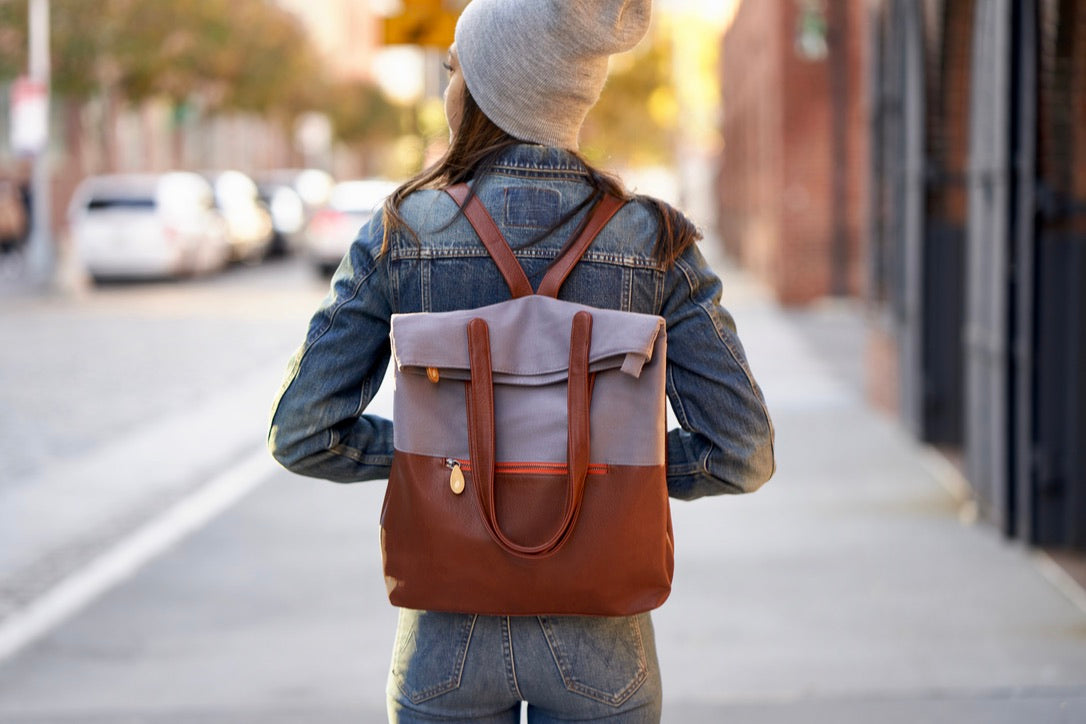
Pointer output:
529, 468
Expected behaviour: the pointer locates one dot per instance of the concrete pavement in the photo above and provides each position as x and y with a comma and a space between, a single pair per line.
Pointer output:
118, 403
854, 587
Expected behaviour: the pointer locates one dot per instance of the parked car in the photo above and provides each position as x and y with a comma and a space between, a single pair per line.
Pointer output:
292, 196
288, 217
146, 225
248, 222
332, 229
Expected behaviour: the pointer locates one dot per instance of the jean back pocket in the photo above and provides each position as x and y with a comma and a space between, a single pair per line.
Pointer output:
430, 650
602, 658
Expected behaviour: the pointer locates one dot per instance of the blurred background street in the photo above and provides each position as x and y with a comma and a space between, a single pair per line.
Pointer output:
858, 584
892, 192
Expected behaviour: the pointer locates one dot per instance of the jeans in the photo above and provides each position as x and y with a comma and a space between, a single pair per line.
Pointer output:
452, 667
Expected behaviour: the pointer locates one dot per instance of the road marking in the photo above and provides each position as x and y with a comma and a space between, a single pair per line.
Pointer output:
130, 554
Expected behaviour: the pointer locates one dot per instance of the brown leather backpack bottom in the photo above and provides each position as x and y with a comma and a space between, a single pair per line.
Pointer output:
450, 562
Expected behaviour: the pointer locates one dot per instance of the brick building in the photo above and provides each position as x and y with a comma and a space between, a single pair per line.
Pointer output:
971, 207
978, 246
794, 170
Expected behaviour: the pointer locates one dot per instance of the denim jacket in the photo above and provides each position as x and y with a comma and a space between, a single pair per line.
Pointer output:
318, 426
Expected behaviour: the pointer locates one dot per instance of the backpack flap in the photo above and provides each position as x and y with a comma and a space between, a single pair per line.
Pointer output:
529, 341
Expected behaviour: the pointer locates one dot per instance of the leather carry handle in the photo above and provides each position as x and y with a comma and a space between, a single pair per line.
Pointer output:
480, 407
510, 268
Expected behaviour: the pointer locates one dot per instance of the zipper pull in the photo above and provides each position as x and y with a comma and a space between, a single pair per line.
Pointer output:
456, 477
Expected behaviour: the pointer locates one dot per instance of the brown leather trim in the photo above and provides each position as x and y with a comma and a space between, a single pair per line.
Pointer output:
492, 239
578, 405
563, 265
480, 414
439, 556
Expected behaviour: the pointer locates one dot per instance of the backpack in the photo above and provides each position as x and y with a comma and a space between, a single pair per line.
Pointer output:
529, 469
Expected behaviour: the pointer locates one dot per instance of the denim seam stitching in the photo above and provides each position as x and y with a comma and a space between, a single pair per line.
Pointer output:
540, 174
516, 170
456, 676
474, 251
291, 375
657, 294
517, 224
558, 166
627, 291
616, 699
727, 345
358, 456
676, 399
507, 630
393, 280
424, 285
307, 345
335, 446
335, 310
363, 396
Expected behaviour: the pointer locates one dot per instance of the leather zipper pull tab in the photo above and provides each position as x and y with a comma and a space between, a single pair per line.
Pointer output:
456, 478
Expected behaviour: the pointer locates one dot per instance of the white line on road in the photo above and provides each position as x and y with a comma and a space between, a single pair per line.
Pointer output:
133, 552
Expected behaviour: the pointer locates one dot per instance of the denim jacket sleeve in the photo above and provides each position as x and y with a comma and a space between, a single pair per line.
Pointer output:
726, 441
317, 425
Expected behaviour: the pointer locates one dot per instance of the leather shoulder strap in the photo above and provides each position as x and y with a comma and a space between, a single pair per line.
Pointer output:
556, 276
492, 239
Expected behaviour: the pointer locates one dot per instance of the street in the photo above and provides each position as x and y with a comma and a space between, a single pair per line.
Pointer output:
120, 400
155, 565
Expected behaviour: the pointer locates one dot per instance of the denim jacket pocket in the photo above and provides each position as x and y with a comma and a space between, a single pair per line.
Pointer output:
428, 659
600, 658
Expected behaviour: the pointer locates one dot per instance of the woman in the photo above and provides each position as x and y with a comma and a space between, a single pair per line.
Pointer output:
523, 75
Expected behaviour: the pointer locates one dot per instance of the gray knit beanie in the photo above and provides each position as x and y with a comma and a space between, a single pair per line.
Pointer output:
536, 67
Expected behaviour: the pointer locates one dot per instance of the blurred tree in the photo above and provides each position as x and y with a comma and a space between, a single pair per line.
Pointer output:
361, 114
203, 55
233, 54
635, 120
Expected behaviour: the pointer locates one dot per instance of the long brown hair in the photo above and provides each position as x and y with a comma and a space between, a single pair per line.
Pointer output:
473, 152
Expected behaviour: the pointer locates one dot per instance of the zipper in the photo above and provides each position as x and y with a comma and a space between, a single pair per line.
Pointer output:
527, 468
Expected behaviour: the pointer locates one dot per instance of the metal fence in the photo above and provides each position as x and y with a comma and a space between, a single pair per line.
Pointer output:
979, 244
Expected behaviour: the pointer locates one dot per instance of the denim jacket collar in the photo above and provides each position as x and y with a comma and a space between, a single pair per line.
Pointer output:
532, 159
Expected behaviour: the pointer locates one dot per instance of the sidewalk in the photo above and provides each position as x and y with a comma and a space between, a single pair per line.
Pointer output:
851, 589
855, 586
